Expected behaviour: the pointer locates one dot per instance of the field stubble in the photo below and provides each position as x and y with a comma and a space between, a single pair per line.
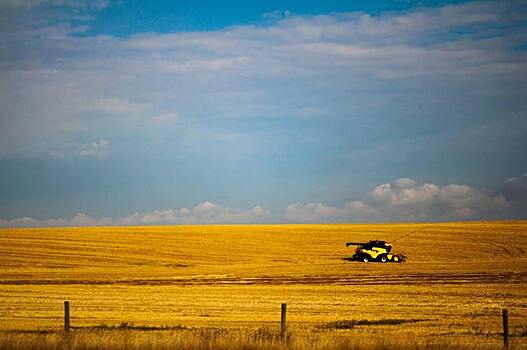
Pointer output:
228, 282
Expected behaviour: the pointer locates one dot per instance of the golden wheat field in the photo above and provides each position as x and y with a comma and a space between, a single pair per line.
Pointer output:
221, 286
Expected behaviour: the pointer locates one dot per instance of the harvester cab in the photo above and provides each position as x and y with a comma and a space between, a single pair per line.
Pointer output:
375, 251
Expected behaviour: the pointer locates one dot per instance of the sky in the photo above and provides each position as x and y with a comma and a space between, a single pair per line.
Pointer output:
204, 112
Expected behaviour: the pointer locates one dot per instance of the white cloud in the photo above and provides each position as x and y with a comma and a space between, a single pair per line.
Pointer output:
165, 119
461, 196
75, 4
81, 219
276, 15
411, 70
317, 212
202, 66
118, 106
203, 213
404, 193
95, 149
406, 200
401, 200
19, 222
289, 65
78, 220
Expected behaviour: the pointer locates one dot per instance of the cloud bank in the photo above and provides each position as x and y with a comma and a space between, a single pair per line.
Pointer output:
406, 200
203, 213
398, 201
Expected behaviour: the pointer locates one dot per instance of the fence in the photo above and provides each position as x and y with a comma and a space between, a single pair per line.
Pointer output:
283, 322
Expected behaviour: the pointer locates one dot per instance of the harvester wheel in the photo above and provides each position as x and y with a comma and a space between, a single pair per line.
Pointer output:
383, 259
365, 259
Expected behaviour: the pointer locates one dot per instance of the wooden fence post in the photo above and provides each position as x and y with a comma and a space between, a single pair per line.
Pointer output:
283, 327
66, 316
506, 327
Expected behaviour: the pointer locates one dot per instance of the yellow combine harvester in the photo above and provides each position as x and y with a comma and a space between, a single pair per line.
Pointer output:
375, 251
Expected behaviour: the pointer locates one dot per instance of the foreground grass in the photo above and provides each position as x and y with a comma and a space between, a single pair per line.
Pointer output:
262, 338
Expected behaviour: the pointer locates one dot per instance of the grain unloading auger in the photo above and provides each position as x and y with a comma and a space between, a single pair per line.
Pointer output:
375, 251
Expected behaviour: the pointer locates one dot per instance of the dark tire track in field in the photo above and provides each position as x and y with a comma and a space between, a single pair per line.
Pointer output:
508, 249
420, 229
400, 279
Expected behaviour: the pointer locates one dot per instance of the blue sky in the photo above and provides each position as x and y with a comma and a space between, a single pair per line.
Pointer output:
169, 112
132, 17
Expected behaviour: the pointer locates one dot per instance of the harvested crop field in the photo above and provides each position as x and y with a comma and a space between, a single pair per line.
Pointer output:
187, 280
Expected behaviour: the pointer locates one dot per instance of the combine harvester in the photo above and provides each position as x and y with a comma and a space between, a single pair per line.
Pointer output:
375, 251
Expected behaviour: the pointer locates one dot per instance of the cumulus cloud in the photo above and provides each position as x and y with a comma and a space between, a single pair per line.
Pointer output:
118, 106
95, 149
164, 119
317, 212
406, 200
78, 220
401, 200
203, 213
